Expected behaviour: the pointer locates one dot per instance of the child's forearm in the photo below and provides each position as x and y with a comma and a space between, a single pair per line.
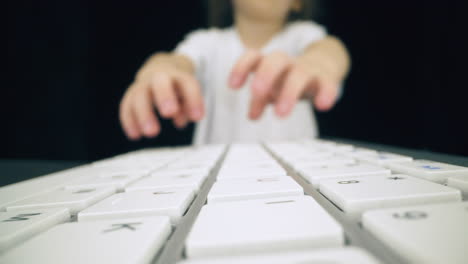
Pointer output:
330, 55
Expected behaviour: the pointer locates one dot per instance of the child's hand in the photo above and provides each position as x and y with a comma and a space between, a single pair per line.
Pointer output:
166, 83
283, 80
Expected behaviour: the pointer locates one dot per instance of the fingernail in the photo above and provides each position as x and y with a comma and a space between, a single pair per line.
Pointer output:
167, 107
283, 108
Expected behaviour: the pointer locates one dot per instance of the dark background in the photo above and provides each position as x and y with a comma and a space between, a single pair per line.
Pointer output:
69, 63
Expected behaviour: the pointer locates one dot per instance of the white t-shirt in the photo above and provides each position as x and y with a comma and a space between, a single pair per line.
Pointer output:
214, 52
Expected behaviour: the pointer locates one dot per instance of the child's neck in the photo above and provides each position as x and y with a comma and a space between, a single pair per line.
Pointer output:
255, 34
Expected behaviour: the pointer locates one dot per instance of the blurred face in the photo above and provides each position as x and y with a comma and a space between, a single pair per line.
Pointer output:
264, 10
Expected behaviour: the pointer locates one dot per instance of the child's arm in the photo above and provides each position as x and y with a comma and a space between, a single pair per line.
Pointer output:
283, 80
165, 82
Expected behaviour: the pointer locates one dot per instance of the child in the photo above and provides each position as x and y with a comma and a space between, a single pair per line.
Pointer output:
206, 79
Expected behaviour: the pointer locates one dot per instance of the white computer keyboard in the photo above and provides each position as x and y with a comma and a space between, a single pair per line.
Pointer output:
307, 201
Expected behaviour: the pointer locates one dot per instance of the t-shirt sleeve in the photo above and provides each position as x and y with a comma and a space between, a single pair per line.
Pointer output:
305, 33
195, 46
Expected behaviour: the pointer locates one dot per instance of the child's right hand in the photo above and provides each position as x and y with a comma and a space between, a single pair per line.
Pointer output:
165, 83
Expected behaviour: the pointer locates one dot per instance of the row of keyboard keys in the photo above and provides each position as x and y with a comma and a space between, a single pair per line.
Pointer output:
165, 202
430, 234
16, 227
355, 195
119, 181
90, 192
429, 170
314, 175
73, 199
380, 158
259, 226
22, 190
254, 188
348, 255
117, 241
171, 179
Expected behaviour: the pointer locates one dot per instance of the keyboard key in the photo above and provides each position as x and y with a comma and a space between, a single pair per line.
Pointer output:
118, 181
117, 241
333, 161
16, 227
460, 183
268, 187
304, 157
262, 226
165, 202
382, 158
347, 255
74, 200
18, 191
316, 174
354, 195
429, 170
183, 179
357, 151
245, 174
430, 234
173, 171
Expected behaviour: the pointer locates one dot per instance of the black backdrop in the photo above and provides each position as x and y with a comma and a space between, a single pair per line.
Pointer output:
69, 62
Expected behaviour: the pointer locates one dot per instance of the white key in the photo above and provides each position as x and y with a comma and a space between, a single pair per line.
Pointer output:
460, 183
250, 174
260, 226
335, 160
18, 191
168, 202
190, 166
268, 187
357, 194
428, 170
249, 177
179, 172
119, 181
111, 171
347, 255
16, 227
382, 158
316, 174
161, 181
430, 234
305, 157
251, 166
358, 151
74, 200
117, 241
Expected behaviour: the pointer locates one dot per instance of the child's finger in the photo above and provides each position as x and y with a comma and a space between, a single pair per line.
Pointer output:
142, 107
180, 120
295, 84
257, 105
190, 92
164, 95
269, 72
244, 65
326, 95
127, 120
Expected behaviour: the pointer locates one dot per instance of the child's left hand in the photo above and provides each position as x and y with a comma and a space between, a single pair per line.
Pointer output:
283, 80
